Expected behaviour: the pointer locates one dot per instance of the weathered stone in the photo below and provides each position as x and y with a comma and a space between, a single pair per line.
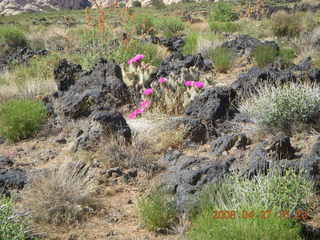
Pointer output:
213, 104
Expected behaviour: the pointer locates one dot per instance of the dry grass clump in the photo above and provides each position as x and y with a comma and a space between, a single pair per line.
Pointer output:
286, 25
114, 153
65, 196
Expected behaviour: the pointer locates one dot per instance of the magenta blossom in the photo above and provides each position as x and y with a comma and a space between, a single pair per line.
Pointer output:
136, 59
132, 115
145, 104
199, 84
139, 110
188, 83
148, 91
162, 80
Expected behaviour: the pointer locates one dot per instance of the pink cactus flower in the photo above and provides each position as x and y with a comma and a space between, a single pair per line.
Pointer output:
162, 80
199, 84
148, 91
188, 83
132, 115
145, 104
136, 59
139, 111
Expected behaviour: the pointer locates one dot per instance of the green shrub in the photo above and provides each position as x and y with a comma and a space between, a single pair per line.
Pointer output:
11, 38
286, 25
273, 227
191, 44
150, 52
20, 119
222, 12
286, 56
157, 210
169, 26
228, 27
13, 229
222, 58
283, 107
143, 23
273, 192
265, 54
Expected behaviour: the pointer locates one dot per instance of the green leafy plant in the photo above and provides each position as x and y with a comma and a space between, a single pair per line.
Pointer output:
125, 52
286, 25
267, 197
286, 56
20, 119
222, 12
191, 44
11, 38
273, 227
10, 227
222, 58
157, 210
227, 27
169, 26
283, 107
143, 23
265, 54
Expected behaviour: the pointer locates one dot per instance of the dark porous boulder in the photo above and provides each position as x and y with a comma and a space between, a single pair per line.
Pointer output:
213, 104
65, 74
177, 61
247, 83
227, 142
304, 65
281, 148
314, 75
5, 162
187, 175
311, 164
245, 45
173, 44
113, 121
22, 55
100, 124
259, 162
195, 130
100, 88
13, 178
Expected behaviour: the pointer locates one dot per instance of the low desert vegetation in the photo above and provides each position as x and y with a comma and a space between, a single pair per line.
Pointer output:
286, 25
191, 44
169, 26
11, 38
68, 195
157, 210
134, 47
11, 226
267, 197
222, 58
221, 18
20, 119
283, 107
265, 54
62, 196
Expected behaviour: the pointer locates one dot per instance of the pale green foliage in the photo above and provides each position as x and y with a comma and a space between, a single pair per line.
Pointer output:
157, 210
280, 107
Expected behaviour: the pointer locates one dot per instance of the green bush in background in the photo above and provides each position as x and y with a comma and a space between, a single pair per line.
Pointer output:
20, 119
